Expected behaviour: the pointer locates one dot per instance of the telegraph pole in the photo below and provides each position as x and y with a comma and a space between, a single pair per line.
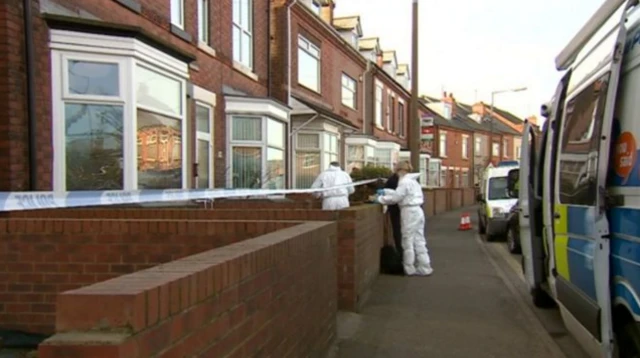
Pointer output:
415, 125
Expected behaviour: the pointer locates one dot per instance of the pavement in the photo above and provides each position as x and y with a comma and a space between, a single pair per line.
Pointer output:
474, 305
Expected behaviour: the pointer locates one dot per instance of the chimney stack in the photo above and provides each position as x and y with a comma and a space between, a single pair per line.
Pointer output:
326, 11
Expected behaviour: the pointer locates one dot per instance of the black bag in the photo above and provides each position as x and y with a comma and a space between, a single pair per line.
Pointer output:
390, 261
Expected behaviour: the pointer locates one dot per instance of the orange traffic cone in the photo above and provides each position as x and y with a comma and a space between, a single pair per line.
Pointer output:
465, 222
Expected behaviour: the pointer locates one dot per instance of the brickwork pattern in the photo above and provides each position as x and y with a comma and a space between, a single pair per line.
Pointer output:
274, 295
42, 257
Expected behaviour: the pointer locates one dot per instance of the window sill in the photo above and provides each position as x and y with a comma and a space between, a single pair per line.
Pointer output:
180, 33
379, 127
349, 107
132, 5
315, 91
244, 70
207, 49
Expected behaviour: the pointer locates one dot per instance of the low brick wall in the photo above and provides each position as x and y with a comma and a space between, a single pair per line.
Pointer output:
274, 296
360, 234
42, 257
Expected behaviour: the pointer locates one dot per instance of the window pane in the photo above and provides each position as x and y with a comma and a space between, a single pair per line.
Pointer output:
204, 164
308, 74
236, 12
307, 169
245, 14
247, 128
498, 188
308, 140
203, 116
93, 146
274, 178
245, 46
176, 11
203, 20
247, 167
580, 144
275, 133
236, 44
159, 151
94, 78
158, 92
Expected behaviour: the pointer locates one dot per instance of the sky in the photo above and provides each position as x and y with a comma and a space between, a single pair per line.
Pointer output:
474, 47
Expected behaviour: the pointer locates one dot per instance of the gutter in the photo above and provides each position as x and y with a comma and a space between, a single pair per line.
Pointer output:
31, 105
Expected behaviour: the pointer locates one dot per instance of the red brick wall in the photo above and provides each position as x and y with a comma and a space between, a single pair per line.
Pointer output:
210, 73
274, 295
360, 233
41, 257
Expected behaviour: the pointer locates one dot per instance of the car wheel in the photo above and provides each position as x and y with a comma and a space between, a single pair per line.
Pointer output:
512, 243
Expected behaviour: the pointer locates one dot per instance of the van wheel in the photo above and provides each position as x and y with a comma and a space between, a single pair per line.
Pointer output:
512, 243
481, 228
627, 341
541, 298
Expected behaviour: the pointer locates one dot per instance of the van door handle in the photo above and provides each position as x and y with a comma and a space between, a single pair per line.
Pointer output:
556, 215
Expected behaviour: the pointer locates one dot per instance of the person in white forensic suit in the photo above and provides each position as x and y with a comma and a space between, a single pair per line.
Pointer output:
338, 198
409, 197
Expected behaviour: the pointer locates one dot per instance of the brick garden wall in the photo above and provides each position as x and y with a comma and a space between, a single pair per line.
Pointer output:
273, 296
42, 257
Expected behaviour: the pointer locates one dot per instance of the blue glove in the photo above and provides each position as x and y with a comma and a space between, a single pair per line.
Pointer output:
380, 192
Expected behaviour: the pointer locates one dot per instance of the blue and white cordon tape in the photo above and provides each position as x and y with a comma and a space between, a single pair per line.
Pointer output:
31, 200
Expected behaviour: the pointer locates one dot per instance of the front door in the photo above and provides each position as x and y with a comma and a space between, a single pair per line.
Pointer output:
581, 227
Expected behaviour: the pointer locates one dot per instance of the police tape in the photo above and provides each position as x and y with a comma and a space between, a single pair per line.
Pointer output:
32, 200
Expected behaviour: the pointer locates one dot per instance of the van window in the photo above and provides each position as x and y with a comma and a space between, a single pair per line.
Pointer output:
498, 188
579, 149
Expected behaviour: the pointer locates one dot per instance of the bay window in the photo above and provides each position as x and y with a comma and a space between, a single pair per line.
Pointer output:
243, 32
257, 152
308, 64
118, 120
434, 176
314, 152
359, 155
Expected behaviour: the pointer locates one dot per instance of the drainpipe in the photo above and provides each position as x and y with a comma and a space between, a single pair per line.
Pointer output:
31, 105
364, 96
290, 159
269, 52
289, 50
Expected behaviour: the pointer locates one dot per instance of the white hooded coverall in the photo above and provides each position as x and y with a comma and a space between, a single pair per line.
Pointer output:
338, 198
408, 195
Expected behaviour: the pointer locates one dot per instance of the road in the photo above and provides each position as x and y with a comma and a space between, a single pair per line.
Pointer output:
475, 305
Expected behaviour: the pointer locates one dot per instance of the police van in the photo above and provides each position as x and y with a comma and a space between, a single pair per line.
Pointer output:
578, 187
495, 202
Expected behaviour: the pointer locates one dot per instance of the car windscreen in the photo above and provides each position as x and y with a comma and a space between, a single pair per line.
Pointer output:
498, 188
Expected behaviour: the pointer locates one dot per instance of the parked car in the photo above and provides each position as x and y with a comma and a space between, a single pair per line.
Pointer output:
513, 230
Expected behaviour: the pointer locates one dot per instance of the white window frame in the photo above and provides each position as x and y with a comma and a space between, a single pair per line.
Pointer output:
390, 100
207, 99
478, 145
256, 108
443, 143
246, 29
129, 53
505, 148
495, 149
447, 110
465, 146
379, 108
204, 22
308, 48
346, 82
177, 13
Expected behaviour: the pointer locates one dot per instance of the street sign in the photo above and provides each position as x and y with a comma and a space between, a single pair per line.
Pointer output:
426, 128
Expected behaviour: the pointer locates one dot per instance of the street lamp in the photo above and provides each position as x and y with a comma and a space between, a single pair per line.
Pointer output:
493, 94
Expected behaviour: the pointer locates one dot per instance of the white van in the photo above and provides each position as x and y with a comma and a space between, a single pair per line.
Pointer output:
495, 202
